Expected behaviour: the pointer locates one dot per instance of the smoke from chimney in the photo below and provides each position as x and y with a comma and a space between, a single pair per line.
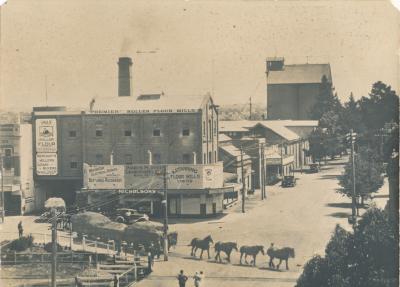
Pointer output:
124, 77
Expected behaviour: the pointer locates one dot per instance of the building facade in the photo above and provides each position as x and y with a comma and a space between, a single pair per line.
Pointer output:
292, 90
17, 169
147, 130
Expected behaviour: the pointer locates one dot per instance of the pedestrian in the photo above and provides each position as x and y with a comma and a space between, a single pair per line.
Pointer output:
20, 229
149, 261
182, 278
116, 281
197, 279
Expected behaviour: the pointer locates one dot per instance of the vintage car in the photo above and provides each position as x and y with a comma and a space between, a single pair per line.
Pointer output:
314, 168
288, 181
128, 216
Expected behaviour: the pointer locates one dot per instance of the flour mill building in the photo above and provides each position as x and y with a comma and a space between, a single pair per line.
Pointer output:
135, 137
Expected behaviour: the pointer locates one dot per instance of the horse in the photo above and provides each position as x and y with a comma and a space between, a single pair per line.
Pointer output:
226, 247
203, 244
172, 239
282, 254
252, 251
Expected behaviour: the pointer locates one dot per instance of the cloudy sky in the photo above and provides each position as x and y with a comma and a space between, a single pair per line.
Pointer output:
188, 47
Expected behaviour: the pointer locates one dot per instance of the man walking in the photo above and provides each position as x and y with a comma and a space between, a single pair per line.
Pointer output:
20, 229
182, 278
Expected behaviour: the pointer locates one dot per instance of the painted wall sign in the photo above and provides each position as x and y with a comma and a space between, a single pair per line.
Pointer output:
46, 163
144, 176
144, 111
46, 135
141, 178
104, 176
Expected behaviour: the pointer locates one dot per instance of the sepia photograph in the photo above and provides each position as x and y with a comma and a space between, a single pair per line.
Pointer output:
199, 143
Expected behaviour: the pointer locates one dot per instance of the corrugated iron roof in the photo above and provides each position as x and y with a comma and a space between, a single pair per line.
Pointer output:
299, 74
235, 126
279, 128
234, 151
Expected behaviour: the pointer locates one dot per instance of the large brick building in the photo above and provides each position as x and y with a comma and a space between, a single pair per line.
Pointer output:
148, 130
292, 90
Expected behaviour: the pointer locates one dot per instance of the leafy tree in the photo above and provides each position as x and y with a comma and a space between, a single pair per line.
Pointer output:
326, 100
382, 106
367, 258
317, 148
368, 174
315, 273
351, 117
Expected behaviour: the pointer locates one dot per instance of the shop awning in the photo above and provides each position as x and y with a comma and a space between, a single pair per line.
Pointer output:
276, 159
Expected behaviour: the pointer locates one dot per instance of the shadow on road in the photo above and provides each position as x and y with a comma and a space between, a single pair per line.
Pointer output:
339, 214
329, 176
270, 269
194, 219
340, 204
244, 265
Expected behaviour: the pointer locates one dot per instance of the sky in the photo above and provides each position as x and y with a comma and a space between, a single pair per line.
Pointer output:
70, 48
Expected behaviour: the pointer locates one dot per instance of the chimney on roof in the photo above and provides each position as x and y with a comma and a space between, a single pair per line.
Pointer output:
124, 77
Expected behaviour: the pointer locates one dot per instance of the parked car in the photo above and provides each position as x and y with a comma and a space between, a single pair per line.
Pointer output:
288, 181
314, 168
128, 215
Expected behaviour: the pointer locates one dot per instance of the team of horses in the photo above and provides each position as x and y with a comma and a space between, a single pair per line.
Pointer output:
283, 254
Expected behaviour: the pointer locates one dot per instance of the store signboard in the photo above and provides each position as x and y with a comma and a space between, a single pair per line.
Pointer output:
104, 176
139, 176
46, 135
46, 163
185, 176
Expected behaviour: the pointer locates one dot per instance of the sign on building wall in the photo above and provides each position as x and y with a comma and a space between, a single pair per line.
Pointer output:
151, 177
104, 176
182, 176
46, 163
46, 135
144, 176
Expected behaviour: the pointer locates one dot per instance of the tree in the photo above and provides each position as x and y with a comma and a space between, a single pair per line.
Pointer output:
382, 106
326, 100
368, 174
351, 117
366, 258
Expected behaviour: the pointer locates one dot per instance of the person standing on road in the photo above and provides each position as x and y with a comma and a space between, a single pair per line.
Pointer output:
20, 229
182, 278
197, 279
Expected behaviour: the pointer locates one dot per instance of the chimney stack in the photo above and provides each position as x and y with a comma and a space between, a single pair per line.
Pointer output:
124, 77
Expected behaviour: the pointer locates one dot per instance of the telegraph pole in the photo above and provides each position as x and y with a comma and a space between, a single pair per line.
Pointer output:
54, 248
263, 170
243, 181
353, 198
2, 190
250, 109
165, 214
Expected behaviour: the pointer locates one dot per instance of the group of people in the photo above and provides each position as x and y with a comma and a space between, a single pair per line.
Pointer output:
198, 279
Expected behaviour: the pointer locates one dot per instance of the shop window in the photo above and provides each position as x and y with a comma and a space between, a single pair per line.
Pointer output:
128, 133
128, 159
99, 159
215, 156
99, 132
8, 160
186, 158
156, 133
209, 157
185, 132
156, 158
205, 159
72, 134
73, 165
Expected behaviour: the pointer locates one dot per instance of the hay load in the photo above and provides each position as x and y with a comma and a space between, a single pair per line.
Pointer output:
96, 225
144, 232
